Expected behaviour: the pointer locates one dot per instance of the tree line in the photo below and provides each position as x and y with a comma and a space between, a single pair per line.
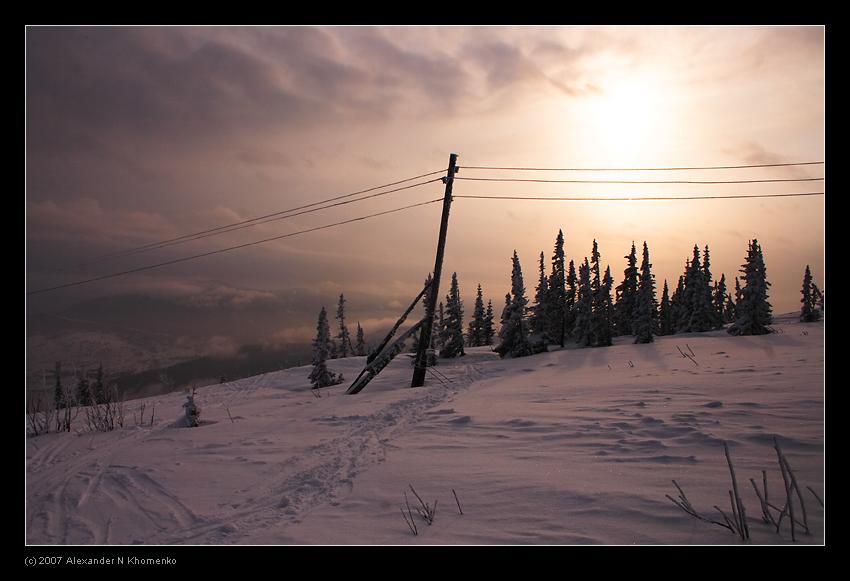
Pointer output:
581, 304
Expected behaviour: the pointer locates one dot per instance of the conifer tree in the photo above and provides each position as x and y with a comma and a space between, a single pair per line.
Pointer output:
665, 313
754, 310
681, 309
698, 297
320, 376
538, 321
99, 389
809, 313
506, 313
360, 346
514, 333
716, 315
571, 297
476, 334
627, 295
603, 312
729, 310
818, 296
59, 401
719, 301
344, 348
737, 292
558, 306
646, 308
489, 330
83, 391
453, 323
584, 307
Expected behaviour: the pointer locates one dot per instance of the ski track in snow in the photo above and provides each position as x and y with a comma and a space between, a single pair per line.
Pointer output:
62, 486
287, 498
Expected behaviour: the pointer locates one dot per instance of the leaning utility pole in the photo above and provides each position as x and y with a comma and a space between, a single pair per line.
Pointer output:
428, 323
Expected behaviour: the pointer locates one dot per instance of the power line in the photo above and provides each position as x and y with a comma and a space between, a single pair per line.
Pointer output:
253, 222
641, 181
640, 199
166, 242
222, 250
643, 168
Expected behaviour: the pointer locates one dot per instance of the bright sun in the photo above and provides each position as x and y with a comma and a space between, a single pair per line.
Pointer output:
623, 118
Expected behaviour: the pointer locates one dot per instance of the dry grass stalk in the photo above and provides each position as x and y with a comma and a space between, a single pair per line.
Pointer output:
411, 524
737, 504
457, 501
425, 510
815, 494
685, 505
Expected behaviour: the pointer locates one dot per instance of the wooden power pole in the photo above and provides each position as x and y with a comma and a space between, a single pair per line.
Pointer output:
427, 326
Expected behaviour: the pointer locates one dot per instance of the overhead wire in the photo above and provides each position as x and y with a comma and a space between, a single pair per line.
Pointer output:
228, 249
250, 223
641, 181
631, 199
229, 227
674, 168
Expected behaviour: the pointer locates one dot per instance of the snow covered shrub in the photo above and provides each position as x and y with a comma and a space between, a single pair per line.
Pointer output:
193, 412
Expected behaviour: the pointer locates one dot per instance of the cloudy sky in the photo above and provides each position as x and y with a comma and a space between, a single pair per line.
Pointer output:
136, 135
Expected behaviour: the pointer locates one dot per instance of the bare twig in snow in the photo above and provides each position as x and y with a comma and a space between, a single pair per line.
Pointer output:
815, 494
425, 510
794, 484
411, 524
737, 505
458, 502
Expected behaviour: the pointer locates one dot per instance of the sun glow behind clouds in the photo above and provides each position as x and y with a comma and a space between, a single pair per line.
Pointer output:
625, 120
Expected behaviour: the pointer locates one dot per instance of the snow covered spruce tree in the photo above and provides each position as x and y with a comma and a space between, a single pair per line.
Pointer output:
571, 298
626, 293
809, 313
665, 313
646, 307
343, 345
489, 330
538, 320
84, 391
582, 331
602, 317
320, 376
475, 335
514, 332
679, 309
59, 400
737, 294
557, 298
99, 391
818, 296
603, 312
360, 344
697, 297
719, 301
453, 344
716, 316
729, 311
754, 311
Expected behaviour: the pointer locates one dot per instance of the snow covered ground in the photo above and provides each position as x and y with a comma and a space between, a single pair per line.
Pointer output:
566, 447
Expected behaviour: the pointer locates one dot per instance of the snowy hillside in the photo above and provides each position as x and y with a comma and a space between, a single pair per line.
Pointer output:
566, 447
